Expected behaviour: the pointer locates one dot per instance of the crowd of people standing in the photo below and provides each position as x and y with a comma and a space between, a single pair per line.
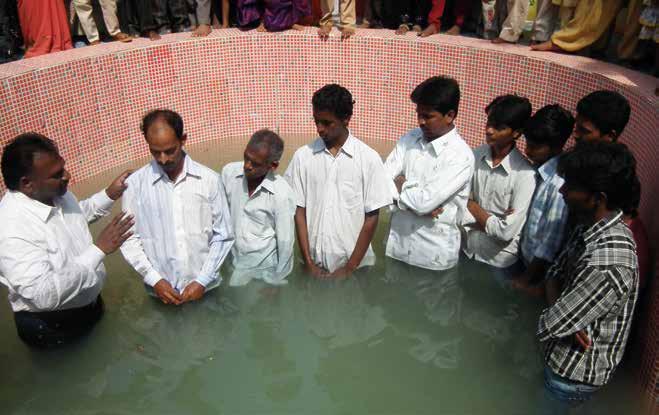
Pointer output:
570, 26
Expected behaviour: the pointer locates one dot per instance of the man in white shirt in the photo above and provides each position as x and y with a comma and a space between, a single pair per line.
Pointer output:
53, 270
182, 225
502, 187
262, 209
431, 167
340, 184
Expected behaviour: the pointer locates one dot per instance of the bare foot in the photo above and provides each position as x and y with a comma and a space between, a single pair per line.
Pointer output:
202, 30
297, 27
94, 43
153, 35
324, 31
347, 32
454, 30
499, 41
547, 46
365, 24
429, 31
261, 28
402, 29
417, 29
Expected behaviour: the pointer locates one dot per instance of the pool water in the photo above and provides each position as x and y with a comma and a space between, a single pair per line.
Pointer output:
393, 339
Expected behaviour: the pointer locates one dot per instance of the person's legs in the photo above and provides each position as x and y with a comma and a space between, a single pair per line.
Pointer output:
629, 42
178, 11
326, 12
83, 9
513, 25
560, 394
592, 18
56, 328
545, 21
159, 14
348, 13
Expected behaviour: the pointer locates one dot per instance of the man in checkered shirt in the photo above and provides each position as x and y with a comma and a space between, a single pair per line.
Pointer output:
593, 285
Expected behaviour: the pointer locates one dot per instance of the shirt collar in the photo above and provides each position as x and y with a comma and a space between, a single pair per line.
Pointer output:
602, 225
268, 182
505, 163
40, 210
440, 142
189, 169
348, 147
548, 169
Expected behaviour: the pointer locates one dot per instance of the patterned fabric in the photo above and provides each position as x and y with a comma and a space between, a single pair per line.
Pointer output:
599, 270
545, 226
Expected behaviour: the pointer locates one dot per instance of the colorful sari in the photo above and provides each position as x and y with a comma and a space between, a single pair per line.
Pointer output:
45, 26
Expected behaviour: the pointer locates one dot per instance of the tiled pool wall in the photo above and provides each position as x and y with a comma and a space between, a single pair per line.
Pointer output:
91, 100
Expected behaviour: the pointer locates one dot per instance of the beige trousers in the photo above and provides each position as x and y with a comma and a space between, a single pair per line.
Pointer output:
513, 26
347, 13
83, 9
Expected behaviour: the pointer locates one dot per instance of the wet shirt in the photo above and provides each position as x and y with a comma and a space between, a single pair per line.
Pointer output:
508, 185
48, 260
182, 228
438, 174
599, 271
544, 231
337, 192
263, 224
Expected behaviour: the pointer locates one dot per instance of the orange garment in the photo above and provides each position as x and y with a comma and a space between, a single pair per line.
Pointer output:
44, 25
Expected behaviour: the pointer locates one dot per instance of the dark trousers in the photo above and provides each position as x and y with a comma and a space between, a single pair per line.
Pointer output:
136, 16
10, 31
171, 13
410, 12
48, 329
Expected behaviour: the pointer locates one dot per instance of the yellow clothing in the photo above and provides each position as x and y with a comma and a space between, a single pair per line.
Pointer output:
591, 19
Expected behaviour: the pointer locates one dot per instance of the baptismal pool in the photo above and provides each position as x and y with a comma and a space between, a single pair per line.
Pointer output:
390, 340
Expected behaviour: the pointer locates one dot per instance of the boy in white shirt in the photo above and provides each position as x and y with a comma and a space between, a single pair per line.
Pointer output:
502, 186
431, 167
262, 209
340, 184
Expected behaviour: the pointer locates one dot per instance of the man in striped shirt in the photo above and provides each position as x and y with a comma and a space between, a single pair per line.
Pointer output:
586, 326
182, 230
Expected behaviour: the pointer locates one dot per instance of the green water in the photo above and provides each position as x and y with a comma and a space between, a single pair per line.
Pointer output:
390, 340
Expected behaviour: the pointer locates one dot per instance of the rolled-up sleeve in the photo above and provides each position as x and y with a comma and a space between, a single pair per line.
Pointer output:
507, 227
423, 197
580, 305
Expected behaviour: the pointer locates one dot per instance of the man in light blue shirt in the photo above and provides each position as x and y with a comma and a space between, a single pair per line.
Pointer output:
546, 134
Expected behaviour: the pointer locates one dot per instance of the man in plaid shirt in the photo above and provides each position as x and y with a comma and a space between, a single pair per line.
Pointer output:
586, 326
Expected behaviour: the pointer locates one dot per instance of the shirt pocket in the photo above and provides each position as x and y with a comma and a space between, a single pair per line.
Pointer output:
350, 195
198, 214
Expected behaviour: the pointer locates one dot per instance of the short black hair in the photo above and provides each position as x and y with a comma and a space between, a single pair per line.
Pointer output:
270, 139
551, 125
608, 111
335, 99
441, 93
18, 156
508, 111
172, 118
609, 168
